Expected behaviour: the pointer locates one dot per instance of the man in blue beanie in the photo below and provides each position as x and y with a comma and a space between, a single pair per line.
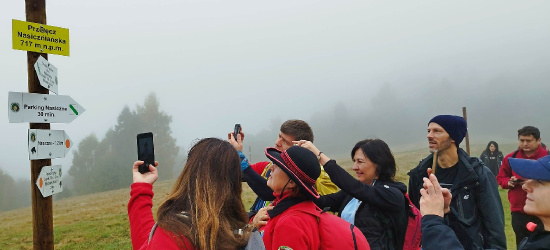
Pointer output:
476, 215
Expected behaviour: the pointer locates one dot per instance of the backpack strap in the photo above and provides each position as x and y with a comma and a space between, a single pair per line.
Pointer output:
386, 223
351, 226
515, 153
152, 232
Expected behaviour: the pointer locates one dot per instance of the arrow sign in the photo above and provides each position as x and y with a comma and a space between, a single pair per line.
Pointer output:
41, 108
48, 144
47, 74
49, 180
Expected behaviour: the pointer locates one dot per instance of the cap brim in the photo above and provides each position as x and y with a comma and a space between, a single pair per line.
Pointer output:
532, 169
275, 156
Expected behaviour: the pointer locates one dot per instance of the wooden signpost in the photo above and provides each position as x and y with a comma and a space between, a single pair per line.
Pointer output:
38, 39
467, 136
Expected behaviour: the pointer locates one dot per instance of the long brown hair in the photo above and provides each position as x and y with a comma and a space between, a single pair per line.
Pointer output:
205, 203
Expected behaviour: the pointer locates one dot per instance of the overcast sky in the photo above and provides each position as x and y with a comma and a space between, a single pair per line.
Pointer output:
216, 63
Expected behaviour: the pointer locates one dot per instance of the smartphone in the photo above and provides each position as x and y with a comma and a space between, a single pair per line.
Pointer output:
518, 181
146, 151
237, 130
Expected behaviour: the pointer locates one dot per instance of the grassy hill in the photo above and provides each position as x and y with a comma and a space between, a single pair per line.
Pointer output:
100, 221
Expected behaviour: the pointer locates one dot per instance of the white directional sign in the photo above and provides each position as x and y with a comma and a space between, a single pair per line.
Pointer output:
41, 108
48, 144
49, 180
47, 74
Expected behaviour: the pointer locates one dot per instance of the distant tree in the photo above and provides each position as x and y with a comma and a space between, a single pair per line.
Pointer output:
23, 193
106, 164
8, 192
151, 119
83, 165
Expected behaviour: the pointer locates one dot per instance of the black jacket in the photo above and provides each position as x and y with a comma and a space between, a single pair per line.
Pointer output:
484, 157
437, 236
537, 241
384, 199
476, 216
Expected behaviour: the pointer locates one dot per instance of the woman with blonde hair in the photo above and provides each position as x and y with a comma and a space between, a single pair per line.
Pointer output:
204, 210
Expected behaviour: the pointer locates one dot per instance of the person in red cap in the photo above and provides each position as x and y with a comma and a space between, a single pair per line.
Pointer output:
476, 214
529, 148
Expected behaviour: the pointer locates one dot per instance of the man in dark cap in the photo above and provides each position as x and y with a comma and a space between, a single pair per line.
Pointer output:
476, 215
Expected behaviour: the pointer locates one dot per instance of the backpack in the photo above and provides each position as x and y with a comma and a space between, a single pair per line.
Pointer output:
336, 233
413, 235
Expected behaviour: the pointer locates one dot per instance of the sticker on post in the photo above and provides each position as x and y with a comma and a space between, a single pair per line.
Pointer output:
47, 74
49, 180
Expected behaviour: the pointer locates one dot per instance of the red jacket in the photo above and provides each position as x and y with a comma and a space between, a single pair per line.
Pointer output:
294, 228
516, 195
141, 221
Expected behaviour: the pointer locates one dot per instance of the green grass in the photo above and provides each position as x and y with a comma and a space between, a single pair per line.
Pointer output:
100, 221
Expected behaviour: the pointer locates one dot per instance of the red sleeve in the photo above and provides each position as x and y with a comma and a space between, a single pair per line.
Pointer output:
259, 167
140, 214
504, 174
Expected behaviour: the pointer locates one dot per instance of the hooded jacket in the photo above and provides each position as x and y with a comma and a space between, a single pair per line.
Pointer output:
289, 226
141, 222
384, 198
476, 216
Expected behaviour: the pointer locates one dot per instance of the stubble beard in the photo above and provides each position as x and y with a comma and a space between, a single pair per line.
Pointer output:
442, 147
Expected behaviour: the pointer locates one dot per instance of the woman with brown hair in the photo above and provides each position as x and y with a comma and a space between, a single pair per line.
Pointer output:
204, 210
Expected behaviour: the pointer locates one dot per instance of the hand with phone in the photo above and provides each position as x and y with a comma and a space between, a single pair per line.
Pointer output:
149, 177
515, 181
236, 138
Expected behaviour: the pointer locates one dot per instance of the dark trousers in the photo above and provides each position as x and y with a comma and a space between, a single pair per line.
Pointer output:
519, 222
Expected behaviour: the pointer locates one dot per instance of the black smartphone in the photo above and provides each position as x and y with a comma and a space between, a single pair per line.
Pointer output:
237, 130
146, 151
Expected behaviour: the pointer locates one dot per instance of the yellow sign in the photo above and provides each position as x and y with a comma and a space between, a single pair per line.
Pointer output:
41, 38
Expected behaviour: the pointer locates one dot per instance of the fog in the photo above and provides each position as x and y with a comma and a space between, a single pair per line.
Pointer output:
352, 69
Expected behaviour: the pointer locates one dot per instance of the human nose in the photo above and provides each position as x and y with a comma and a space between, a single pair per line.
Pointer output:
429, 135
355, 166
278, 142
528, 186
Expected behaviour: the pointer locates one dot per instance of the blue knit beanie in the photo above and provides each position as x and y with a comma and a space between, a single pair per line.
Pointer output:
454, 125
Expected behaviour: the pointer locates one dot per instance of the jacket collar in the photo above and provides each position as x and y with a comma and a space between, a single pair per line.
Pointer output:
284, 203
465, 176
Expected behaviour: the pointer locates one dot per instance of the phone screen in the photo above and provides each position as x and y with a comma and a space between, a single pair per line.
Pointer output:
237, 130
146, 151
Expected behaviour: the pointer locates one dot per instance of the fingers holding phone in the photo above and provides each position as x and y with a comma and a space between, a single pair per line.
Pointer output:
236, 137
148, 177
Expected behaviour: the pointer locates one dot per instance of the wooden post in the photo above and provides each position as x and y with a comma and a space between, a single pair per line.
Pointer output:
467, 136
42, 214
